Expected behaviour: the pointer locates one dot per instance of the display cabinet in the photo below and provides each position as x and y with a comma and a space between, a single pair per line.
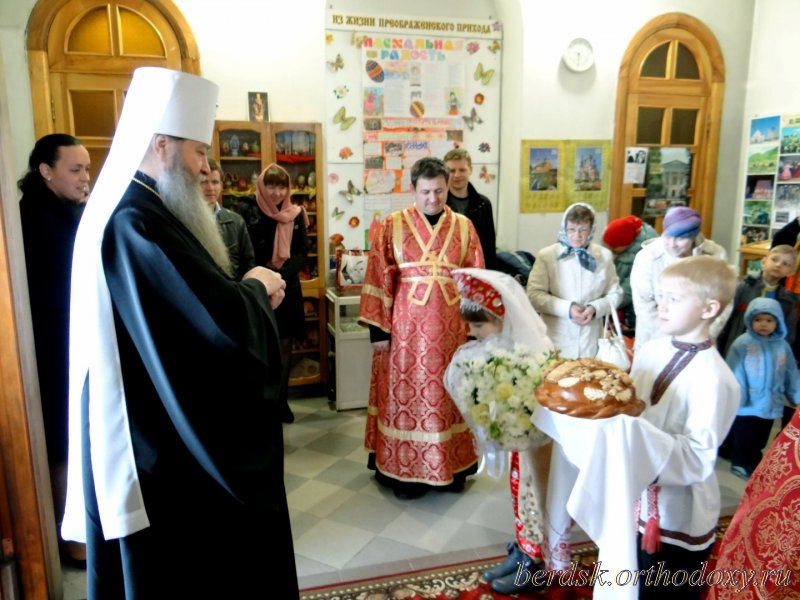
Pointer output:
244, 149
350, 353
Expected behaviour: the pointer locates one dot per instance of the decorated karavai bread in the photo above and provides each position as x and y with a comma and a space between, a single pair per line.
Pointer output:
588, 388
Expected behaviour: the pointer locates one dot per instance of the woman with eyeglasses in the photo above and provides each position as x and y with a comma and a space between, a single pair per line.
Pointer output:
573, 285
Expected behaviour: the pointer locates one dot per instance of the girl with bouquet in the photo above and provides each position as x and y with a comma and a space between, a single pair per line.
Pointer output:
492, 380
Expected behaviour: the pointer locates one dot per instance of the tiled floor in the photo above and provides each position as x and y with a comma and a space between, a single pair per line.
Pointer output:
347, 527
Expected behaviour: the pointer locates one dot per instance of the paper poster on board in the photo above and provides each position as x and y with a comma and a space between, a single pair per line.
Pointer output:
399, 92
668, 177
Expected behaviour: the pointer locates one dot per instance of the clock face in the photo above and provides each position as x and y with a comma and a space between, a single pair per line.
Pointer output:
579, 55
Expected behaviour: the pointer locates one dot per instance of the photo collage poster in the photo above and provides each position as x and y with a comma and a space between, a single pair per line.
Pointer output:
403, 89
669, 172
772, 185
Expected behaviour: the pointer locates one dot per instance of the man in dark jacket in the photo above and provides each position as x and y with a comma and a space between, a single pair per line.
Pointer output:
464, 199
231, 224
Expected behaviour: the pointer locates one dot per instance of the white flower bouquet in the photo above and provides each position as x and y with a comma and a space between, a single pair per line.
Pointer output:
494, 390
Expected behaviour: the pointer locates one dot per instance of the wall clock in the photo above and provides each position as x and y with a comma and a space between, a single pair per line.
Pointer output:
579, 55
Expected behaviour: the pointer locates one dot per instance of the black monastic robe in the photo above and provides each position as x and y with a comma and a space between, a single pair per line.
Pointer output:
200, 365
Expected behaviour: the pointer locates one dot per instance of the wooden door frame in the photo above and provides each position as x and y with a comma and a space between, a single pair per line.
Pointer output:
705, 176
24, 461
42, 18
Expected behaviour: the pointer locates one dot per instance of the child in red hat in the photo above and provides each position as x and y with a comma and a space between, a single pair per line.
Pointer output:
506, 328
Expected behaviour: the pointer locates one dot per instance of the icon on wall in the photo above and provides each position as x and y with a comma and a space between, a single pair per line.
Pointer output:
257, 104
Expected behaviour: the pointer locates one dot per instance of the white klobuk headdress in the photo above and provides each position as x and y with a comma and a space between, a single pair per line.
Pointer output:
158, 101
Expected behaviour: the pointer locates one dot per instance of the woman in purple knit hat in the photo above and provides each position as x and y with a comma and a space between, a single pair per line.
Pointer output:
681, 238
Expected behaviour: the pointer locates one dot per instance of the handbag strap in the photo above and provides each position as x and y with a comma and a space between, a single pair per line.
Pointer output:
617, 326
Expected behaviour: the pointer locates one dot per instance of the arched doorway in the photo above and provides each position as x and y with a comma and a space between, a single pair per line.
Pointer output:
669, 94
82, 55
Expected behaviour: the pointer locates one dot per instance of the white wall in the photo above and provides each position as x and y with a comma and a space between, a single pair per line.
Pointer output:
280, 47
558, 104
13, 20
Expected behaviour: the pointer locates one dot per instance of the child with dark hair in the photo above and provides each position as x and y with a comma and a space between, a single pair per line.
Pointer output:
503, 322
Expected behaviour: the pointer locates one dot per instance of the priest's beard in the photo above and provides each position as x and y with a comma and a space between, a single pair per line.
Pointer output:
181, 194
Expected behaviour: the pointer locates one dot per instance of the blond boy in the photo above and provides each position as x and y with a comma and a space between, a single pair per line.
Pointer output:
775, 267
692, 395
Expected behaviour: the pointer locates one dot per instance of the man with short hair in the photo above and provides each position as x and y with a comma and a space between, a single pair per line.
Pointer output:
464, 199
176, 446
231, 224
411, 304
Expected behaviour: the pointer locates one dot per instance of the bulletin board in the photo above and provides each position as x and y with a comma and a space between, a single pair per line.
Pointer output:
399, 89
772, 180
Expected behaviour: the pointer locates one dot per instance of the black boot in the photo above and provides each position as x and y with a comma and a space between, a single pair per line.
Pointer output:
521, 579
509, 565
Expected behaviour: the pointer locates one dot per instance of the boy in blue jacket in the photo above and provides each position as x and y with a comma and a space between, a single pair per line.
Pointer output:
763, 363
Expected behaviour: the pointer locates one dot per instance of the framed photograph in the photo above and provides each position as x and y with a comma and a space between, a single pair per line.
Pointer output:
257, 106
351, 266
542, 185
587, 172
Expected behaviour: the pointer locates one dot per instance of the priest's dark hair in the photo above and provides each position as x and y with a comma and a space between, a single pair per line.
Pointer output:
46, 151
428, 168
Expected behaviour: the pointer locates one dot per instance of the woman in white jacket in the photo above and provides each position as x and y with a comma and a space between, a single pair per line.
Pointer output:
681, 238
574, 285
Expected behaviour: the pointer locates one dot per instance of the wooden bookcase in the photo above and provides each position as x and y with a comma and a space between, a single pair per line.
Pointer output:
244, 149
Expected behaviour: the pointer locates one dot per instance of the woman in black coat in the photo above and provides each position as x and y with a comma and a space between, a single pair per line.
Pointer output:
54, 192
280, 241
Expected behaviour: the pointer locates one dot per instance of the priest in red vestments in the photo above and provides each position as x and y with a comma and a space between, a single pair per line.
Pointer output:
762, 543
415, 434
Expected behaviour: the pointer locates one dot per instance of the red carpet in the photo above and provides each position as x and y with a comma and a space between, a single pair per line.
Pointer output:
453, 582
458, 582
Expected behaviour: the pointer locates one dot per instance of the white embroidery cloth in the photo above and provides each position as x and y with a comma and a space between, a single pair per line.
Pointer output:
599, 468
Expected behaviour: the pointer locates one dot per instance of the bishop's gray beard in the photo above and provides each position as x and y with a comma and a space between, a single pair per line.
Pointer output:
182, 196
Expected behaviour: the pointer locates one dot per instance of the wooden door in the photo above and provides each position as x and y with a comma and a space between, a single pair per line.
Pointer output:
94, 48
669, 94
88, 107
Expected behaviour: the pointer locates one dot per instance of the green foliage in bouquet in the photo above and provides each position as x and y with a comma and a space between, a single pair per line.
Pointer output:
496, 395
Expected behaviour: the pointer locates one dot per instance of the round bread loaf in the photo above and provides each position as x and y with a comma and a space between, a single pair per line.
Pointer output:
588, 388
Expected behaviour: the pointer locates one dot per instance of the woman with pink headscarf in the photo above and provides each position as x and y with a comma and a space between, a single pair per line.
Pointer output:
280, 241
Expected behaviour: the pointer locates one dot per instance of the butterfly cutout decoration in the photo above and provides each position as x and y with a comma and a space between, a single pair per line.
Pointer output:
357, 40
472, 120
482, 75
486, 176
336, 64
328, 38
337, 213
494, 47
351, 192
343, 120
